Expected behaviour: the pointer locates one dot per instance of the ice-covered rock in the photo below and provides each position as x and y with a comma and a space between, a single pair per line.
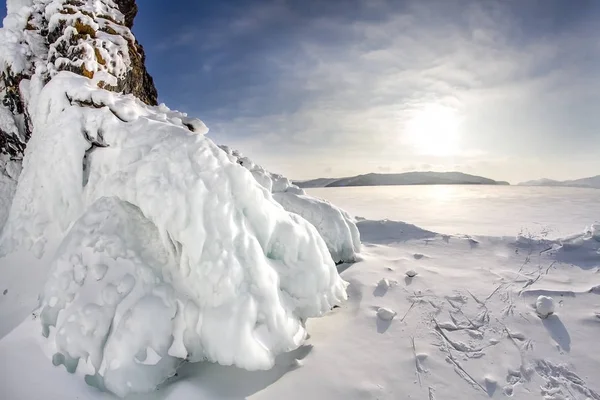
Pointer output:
335, 226
170, 250
245, 271
40, 38
544, 306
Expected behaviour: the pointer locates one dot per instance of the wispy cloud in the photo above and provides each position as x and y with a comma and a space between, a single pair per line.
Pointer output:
344, 87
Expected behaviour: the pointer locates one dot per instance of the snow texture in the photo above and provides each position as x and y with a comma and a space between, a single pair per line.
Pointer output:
172, 252
335, 226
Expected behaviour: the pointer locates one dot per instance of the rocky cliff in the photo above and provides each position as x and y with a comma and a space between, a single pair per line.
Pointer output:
90, 38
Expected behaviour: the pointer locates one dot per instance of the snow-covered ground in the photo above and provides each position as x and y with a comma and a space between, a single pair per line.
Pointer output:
465, 327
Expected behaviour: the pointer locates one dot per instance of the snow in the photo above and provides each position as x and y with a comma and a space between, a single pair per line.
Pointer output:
545, 306
13, 6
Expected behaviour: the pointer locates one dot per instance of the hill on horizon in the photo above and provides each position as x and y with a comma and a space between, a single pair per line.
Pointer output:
405, 178
590, 182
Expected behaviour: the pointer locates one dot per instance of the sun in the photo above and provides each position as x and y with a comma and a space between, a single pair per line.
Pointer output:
434, 131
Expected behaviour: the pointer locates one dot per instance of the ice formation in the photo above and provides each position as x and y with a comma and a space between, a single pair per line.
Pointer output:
335, 226
170, 250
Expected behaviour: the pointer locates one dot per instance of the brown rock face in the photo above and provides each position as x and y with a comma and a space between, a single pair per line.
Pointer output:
70, 45
129, 10
140, 83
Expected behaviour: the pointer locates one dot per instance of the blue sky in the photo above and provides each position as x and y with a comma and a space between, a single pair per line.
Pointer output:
309, 88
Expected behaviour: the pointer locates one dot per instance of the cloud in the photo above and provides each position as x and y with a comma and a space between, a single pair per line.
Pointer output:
344, 85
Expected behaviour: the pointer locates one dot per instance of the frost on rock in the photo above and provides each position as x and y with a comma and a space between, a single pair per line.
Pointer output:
193, 244
335, 226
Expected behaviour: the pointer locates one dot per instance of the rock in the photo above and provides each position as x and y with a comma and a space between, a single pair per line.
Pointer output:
411, 273
386, 314
129, 10
544, 306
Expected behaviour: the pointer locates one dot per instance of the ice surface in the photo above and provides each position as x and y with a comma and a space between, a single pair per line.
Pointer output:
474, 209
195, 260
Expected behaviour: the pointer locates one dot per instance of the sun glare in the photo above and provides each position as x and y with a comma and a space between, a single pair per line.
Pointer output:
434, 131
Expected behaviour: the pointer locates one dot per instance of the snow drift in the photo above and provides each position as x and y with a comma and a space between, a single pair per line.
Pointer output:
170, 251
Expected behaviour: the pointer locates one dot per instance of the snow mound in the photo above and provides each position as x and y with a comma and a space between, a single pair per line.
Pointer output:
544, 305
194, 261
335, 226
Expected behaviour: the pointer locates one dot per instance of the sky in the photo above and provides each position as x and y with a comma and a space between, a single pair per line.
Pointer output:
310, 88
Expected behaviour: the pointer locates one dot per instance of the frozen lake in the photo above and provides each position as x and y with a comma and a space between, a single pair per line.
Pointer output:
473, 209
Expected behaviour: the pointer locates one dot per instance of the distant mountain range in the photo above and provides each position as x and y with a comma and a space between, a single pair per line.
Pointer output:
591, 182
406, 178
